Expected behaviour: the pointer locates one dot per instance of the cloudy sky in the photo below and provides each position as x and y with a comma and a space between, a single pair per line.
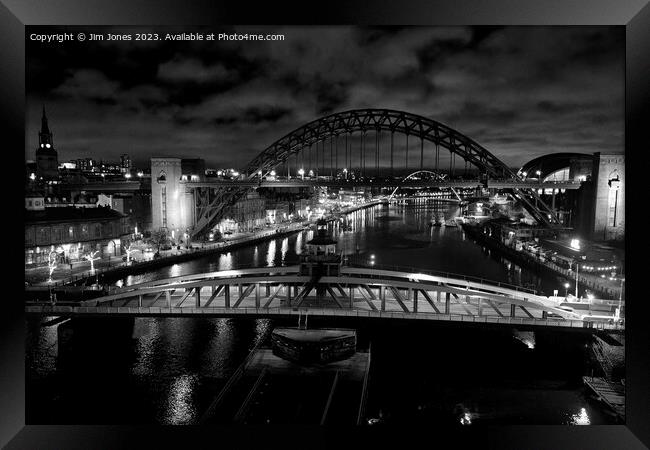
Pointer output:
519, 91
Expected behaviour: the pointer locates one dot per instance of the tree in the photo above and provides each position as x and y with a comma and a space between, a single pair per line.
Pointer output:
159, 237
51, 264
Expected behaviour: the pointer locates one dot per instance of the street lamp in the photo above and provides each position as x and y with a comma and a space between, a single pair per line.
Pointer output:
620, 300
345, 173
566, 291
301, 172
273, 173
538, 172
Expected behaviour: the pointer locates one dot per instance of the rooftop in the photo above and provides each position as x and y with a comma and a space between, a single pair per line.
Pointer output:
68, 214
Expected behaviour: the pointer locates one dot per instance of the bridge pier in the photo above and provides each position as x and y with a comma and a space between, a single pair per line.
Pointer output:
197, 297
351, 296
168, 296
480, 307
226, 291
415, 300
512, 310
447, 299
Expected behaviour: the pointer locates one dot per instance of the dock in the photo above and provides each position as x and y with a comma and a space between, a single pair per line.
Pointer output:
272, 390
613, 394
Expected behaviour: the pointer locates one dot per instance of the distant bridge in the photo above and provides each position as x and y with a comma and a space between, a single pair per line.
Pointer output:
353, 292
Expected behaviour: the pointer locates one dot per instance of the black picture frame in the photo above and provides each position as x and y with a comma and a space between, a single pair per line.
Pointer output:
633, 14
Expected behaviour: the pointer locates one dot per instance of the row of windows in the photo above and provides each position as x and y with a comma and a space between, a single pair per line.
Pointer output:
47, 234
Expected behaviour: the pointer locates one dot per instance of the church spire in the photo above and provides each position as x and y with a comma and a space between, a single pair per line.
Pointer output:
45, 141
45, 129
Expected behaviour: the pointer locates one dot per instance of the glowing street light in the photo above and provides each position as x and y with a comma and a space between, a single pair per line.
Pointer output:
273, 173
345, 172
32, 176
525, 174
575, 244
566, 290
538, 172
301, 172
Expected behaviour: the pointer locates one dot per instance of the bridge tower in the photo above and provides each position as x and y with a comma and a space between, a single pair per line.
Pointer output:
609, 197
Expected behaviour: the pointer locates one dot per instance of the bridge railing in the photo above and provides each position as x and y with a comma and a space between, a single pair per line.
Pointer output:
354, 262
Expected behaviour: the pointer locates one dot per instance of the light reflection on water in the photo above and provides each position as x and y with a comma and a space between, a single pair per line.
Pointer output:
270, 254
180, 408
177, 354
580, 418
285, 248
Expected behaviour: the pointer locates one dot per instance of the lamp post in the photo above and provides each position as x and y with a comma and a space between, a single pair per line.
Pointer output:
577, 266
566, 291
301, 172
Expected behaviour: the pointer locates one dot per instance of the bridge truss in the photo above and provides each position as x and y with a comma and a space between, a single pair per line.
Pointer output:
354, 292
296, 150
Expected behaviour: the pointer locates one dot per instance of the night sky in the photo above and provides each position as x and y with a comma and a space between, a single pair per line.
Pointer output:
519, 91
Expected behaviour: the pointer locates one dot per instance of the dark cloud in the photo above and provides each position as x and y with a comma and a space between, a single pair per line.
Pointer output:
518, 91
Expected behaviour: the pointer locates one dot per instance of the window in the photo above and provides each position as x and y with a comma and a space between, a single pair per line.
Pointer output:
43, 236
57, 234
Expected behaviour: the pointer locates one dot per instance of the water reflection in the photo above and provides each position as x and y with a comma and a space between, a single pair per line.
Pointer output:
225, 261
180, 408
285, 248
270, 254
580, 419
175, 270
298, 248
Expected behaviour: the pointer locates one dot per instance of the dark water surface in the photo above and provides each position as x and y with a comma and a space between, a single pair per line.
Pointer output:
168, 370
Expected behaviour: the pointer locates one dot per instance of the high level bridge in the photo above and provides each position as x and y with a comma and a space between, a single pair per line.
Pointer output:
352, 291
362, 141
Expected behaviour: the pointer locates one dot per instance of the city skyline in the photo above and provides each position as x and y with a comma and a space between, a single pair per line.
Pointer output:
518, 91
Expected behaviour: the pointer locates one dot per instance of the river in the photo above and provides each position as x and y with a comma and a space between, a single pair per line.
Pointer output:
168, 370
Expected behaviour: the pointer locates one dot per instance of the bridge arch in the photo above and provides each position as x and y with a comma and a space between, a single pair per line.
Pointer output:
378, 120
437, 175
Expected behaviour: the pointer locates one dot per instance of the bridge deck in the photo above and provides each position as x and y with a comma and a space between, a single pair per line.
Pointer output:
355, 292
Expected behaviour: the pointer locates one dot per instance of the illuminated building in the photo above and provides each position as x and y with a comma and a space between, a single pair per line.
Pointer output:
71, 232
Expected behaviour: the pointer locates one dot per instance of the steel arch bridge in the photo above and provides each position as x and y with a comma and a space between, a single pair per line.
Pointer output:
211, 203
